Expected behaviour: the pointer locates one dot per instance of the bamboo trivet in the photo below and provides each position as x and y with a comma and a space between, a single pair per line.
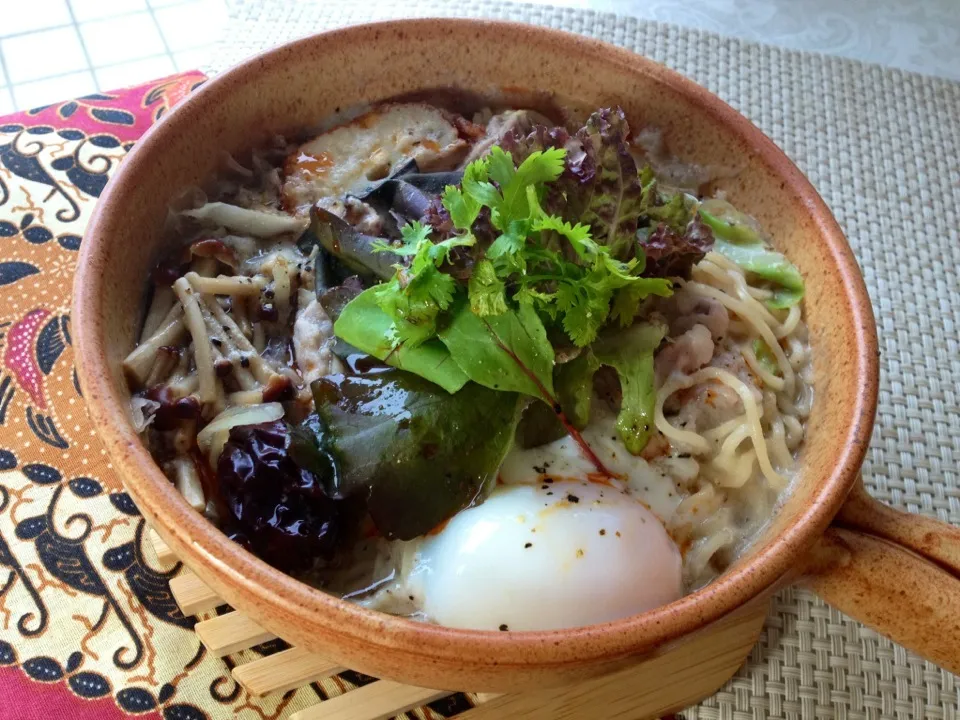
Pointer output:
664, 683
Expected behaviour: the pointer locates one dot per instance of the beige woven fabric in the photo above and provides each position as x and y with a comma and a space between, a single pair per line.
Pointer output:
882, 147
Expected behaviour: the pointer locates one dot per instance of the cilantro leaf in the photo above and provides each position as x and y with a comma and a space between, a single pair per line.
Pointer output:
463, 208
539, 168
363, 324
487, 291
477, 186
415, 296
500, 166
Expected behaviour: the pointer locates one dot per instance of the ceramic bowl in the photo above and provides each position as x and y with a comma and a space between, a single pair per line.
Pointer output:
295, 86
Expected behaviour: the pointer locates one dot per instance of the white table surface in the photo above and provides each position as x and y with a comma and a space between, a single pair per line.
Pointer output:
90, 45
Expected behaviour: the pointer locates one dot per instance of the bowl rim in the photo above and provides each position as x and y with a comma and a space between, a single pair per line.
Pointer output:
208, 546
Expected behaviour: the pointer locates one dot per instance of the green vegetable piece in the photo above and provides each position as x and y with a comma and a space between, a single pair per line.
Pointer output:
367, 327
630, 353
766, 357
503, 352
415, 296
674, 213
487, 291
539, 425
616, 198
574, 381
417, 454
735, 232
741, 243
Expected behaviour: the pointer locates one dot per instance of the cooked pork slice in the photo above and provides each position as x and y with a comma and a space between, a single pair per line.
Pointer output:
349, 157
312, 343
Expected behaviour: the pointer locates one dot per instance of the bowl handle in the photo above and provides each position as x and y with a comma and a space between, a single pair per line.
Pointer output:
896, 572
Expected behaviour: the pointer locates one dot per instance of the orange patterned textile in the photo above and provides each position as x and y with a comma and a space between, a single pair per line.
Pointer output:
88, 628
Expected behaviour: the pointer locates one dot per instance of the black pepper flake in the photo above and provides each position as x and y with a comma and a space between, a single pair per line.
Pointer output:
504, 628
602, 531
528, 545
245, 361
268, 294
217, 342
544, 487
684, 455
548, 480
573, 498
410, 596
550, 493
539, 470
225, 328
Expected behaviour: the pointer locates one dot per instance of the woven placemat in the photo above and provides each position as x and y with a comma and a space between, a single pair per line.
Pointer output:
882, 147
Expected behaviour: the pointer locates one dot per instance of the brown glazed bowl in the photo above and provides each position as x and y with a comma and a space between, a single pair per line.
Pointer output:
861, 564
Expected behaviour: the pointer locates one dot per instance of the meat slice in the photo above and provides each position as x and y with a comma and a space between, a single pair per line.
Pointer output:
313, 342
349, 157
689, 352
685, 309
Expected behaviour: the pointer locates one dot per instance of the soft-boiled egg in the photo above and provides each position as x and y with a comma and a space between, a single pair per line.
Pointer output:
551, 555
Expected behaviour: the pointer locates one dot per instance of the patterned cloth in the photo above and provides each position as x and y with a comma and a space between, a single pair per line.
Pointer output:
88, 628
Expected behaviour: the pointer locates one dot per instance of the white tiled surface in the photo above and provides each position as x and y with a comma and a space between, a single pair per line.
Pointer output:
56, 49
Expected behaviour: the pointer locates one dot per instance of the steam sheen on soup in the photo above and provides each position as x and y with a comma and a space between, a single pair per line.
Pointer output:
492, 370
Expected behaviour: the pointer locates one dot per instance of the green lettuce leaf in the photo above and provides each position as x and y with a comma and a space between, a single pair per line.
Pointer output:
417, 454
630, 353
363, 324
611, 203
507, 352
574, 382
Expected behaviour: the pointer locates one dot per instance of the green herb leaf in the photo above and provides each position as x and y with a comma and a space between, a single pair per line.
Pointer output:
416, 453
463, 208
415, 296
630, 353
363, 324
538, 168
574, 382
477, 186
487, 291
509, 351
